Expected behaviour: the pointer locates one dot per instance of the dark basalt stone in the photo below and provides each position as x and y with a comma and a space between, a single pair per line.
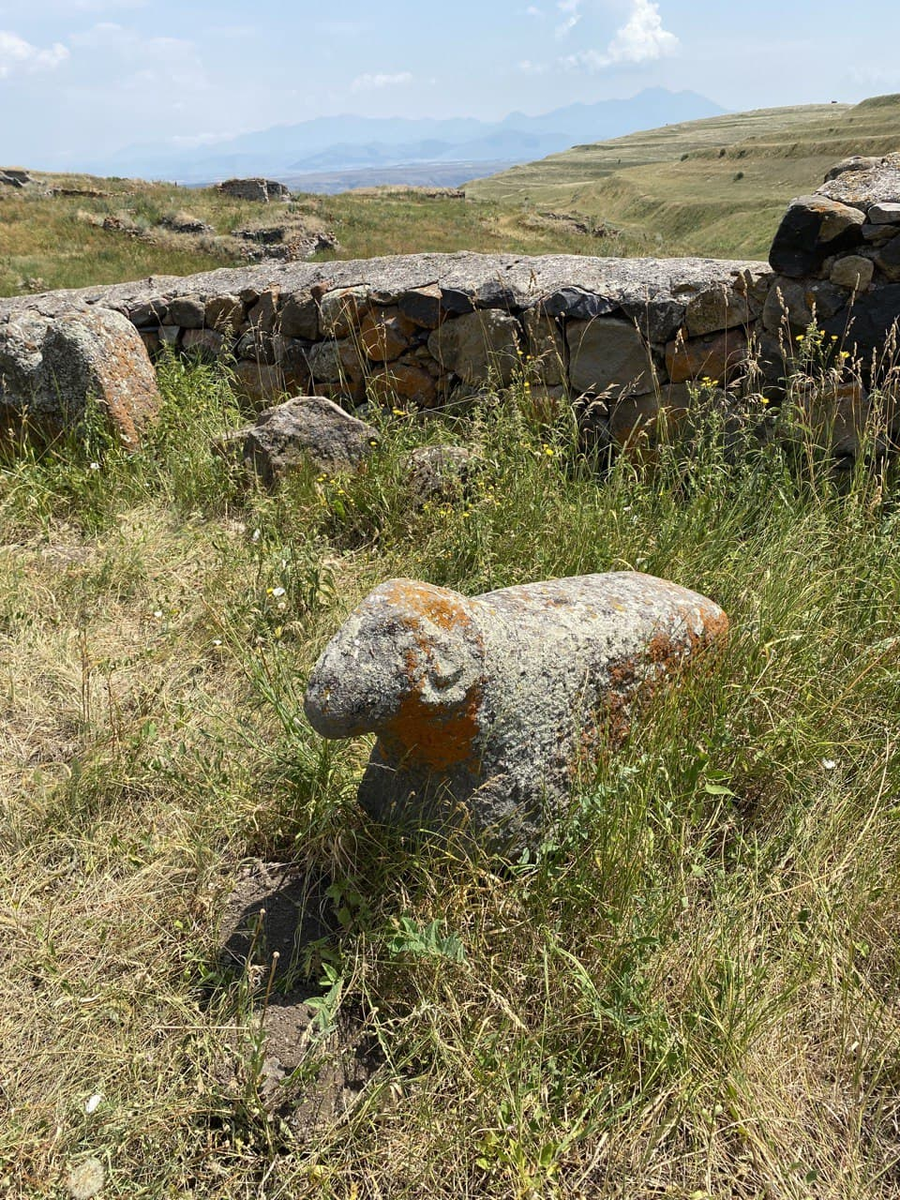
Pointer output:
872, 318
576, 303
813, 229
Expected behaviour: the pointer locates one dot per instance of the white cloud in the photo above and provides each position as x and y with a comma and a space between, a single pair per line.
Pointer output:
18, 57
572, 11
367, 83
532, 68
141, 62
642, 39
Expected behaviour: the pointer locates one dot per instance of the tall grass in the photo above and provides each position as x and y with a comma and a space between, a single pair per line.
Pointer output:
690, 991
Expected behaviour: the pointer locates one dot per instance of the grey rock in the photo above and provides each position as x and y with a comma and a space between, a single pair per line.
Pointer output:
888, 259
853, 272
485, 708
225, 313
341, 310
722, 307
800, 302
334, 362
879, 233
813, 228
546, 347
478, 346
863, 189
189, 312
206, 342
303, 431
609, 354
52, 370
300, 316
439, 472
873, 320
856, 162
658, 319
422, 306
884, 214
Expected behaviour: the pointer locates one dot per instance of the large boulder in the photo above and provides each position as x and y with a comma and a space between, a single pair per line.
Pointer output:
56, 372
484, 707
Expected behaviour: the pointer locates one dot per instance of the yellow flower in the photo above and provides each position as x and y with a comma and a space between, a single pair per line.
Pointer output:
549, 451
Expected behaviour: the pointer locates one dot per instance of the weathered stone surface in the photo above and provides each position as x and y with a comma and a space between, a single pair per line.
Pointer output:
439, 473
856, 162
262, 190
718, 357
264, 313
385, 333
51, 370
888, 259
834, 413
332, 362
813, 228
259, 382
720, 307
225, 313
187, 311
545, 347
304, 430
658, 319
638, 422
874, 317
203, 341
484, 708
478, 346
862, 189
853, 272
422, 306
300, 317
403, 383
609, 354
799, 302
887, 213
341, 310
147, 315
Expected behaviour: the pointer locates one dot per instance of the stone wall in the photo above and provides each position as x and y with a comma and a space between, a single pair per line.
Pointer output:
626, 334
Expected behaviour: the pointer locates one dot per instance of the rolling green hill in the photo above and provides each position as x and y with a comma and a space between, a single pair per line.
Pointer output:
712, 187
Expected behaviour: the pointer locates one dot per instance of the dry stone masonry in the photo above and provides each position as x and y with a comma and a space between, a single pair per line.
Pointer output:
623, 338
484, 707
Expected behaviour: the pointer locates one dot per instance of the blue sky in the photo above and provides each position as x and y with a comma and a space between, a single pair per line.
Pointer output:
82, 78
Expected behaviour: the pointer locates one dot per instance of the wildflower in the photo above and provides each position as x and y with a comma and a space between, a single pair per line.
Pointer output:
217, 641
93, 1103
549, 451
829, 764
257, 534
86, 1180
94, 466
801, 337
157, 612
279, 591
398, 412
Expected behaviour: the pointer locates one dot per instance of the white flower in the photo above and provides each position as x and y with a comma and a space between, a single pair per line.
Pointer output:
86, 1180
279, 591
829, 764
257, 534
95, 466
157, 613
217, 641
94, 1103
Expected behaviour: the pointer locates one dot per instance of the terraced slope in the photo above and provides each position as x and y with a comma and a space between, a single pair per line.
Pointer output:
716, 187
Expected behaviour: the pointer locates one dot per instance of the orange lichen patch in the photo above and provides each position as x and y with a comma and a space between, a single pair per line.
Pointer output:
447, 610
434, 739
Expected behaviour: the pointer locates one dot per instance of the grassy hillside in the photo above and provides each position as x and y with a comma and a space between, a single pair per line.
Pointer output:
52, 241
713, 187
691, 992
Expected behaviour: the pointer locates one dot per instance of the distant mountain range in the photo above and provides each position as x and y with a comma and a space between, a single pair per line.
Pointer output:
329, 146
